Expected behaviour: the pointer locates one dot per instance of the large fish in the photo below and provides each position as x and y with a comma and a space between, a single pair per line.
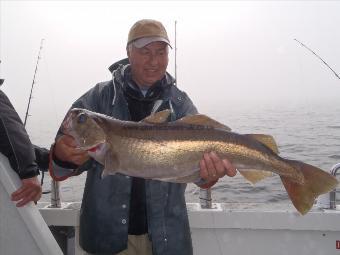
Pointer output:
170, 151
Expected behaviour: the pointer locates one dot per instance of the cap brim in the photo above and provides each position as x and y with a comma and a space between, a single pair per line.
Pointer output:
142, 42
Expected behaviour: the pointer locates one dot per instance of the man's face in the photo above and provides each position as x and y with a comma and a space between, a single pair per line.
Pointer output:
148, 64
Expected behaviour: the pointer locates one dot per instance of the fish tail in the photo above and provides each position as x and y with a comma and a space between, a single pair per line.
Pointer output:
316, 182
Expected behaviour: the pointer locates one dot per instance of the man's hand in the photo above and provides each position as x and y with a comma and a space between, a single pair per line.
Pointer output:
29, 191
213, 168
66, 149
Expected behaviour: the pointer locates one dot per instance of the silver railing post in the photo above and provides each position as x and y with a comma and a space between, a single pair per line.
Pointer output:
332, 194
55, 195
328, 200
205, 198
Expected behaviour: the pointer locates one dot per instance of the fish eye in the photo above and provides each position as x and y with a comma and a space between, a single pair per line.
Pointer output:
82, 118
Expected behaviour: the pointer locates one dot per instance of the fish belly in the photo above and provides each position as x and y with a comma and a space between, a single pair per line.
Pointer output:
161, 160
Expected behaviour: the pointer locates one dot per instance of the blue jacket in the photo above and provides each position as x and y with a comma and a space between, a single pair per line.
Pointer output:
104, 213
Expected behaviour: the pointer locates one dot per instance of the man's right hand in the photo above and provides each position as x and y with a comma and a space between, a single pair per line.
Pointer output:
65, 149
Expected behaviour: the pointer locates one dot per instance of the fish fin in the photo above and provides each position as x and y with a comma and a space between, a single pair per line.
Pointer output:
111, 163
201, 119
316, 182
107, 173
158, 117
267, 140
190, 178
255, 176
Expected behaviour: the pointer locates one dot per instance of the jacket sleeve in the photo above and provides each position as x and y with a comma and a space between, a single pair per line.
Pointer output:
42, 157
15, 142
61, 170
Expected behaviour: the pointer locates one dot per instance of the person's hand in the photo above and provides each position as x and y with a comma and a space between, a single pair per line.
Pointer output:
213, 168
29, 191
65, 149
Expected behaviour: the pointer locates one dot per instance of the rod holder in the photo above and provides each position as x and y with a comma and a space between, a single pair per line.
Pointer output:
55, 195
205, 198
332, 194
328, 200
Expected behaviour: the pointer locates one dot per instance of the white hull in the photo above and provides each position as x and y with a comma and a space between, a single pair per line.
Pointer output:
239, 231
22, 230
228, 229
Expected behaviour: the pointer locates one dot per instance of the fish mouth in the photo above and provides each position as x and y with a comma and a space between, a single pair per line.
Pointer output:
95, 148
91, 148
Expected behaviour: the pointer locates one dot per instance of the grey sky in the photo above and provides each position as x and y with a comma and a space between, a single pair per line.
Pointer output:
228, 52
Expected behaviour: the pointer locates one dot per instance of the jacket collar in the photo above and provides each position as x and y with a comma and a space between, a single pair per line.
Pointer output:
121, 75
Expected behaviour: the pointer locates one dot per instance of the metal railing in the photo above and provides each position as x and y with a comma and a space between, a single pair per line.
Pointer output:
55, 195
332, 194
205, 198
328, 200
330, 203
205, 194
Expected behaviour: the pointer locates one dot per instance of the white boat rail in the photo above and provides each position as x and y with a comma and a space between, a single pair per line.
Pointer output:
22, 230
225, 229
234, 229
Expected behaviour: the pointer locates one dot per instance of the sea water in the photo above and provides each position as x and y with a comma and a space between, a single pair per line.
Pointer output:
305, 131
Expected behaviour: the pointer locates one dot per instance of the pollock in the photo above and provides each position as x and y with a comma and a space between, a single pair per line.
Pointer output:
170, 151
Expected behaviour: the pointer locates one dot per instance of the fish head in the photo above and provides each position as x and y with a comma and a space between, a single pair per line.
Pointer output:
84, 127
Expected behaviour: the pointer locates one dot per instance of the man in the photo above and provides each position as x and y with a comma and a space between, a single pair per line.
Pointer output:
122, 214
16, 145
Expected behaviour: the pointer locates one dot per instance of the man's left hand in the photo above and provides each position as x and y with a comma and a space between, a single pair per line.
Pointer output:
213, 168
29, 191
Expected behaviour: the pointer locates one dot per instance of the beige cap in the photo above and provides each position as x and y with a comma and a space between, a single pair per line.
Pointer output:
146, 31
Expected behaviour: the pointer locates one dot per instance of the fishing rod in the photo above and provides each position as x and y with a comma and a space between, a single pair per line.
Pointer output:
176, 52
323, 61
1, 80
29, 103
33, 82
